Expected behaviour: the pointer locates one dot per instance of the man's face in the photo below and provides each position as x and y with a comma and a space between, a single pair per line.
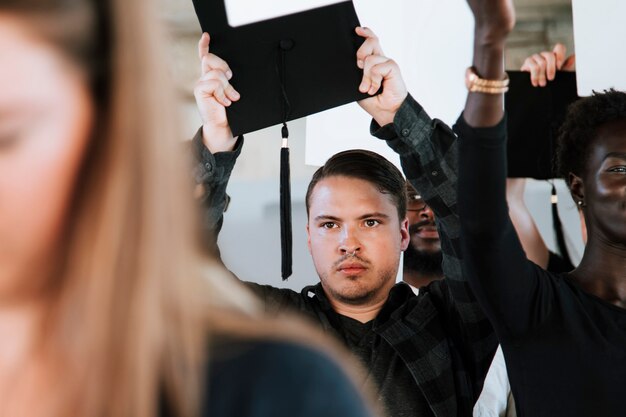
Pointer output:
424, 235
355, 238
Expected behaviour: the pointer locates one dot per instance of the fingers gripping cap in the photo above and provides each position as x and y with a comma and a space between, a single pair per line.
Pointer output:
286, 67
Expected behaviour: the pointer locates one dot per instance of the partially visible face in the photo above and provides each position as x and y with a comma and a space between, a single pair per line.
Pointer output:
424, 234
46, 114
604, 185
355, 238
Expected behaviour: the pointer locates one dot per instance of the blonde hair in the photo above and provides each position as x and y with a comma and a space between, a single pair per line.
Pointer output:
136, 299
132, 299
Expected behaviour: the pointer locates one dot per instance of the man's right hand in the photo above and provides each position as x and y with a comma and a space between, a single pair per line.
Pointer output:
213, 94
378, 70
544, 65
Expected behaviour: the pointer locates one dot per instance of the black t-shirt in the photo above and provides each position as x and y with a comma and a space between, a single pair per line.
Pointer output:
396, 389
558, 264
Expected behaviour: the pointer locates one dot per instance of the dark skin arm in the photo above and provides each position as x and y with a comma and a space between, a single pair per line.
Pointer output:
494, 19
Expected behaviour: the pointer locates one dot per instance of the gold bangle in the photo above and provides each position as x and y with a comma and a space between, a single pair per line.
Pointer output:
475, 84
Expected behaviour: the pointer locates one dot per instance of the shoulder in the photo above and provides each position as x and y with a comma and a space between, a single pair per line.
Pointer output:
436, 289
278, 300
277, 378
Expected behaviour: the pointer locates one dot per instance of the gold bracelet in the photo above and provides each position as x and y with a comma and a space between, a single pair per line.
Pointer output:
475, 84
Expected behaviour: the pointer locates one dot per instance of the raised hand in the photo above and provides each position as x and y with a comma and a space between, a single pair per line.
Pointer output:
213, 93
493, 19
544, 65
378, 70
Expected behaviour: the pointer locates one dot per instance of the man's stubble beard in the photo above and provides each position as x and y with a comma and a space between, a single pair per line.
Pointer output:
363, 297
423, 262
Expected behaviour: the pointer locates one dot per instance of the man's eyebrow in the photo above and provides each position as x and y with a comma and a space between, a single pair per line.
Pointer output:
361, 217
374, 214
620, 155
326, 217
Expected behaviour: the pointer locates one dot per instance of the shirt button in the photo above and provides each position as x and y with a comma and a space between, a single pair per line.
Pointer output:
405, 132
208, 166
434, 173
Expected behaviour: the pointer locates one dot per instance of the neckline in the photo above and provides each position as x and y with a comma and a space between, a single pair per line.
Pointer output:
577, 286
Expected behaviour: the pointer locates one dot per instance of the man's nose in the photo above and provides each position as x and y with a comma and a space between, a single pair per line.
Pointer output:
427, 214
350, 243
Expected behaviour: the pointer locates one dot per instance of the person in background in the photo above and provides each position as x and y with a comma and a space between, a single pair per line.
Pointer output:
422, 257
108, 306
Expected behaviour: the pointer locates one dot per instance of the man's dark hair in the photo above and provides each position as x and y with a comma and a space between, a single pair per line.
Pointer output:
580, 127
367, 166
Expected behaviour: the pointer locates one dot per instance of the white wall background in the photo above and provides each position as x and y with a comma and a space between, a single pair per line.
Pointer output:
599, 31
433, 68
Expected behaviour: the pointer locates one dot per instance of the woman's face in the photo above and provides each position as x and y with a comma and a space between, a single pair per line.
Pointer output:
46, 117
605, 185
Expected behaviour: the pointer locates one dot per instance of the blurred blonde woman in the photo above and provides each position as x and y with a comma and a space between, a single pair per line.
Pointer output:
107, 307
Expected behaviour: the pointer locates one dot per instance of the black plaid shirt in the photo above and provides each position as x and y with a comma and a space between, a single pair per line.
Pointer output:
441, 335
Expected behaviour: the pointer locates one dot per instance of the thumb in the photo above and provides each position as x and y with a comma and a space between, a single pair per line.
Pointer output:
559, 53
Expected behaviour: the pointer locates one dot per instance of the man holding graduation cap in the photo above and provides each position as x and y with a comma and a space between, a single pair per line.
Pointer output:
426, 354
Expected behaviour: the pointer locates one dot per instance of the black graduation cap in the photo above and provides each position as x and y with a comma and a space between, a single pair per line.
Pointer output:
286, 68
534, 115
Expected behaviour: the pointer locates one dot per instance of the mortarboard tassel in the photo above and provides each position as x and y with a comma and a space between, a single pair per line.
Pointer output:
558, 227
286, 238
285, 207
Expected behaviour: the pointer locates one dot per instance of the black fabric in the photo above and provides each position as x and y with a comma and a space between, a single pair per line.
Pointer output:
558, 264
565, 349
373, 343
396, 390
318, 57
534, 116
408, 340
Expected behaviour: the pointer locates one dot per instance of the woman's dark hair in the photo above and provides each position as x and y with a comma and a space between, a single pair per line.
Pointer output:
367, 166
580, 127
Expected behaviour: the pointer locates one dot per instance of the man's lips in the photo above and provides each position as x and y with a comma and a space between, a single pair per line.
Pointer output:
415, 227
425, 229
428, 233
351, 268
